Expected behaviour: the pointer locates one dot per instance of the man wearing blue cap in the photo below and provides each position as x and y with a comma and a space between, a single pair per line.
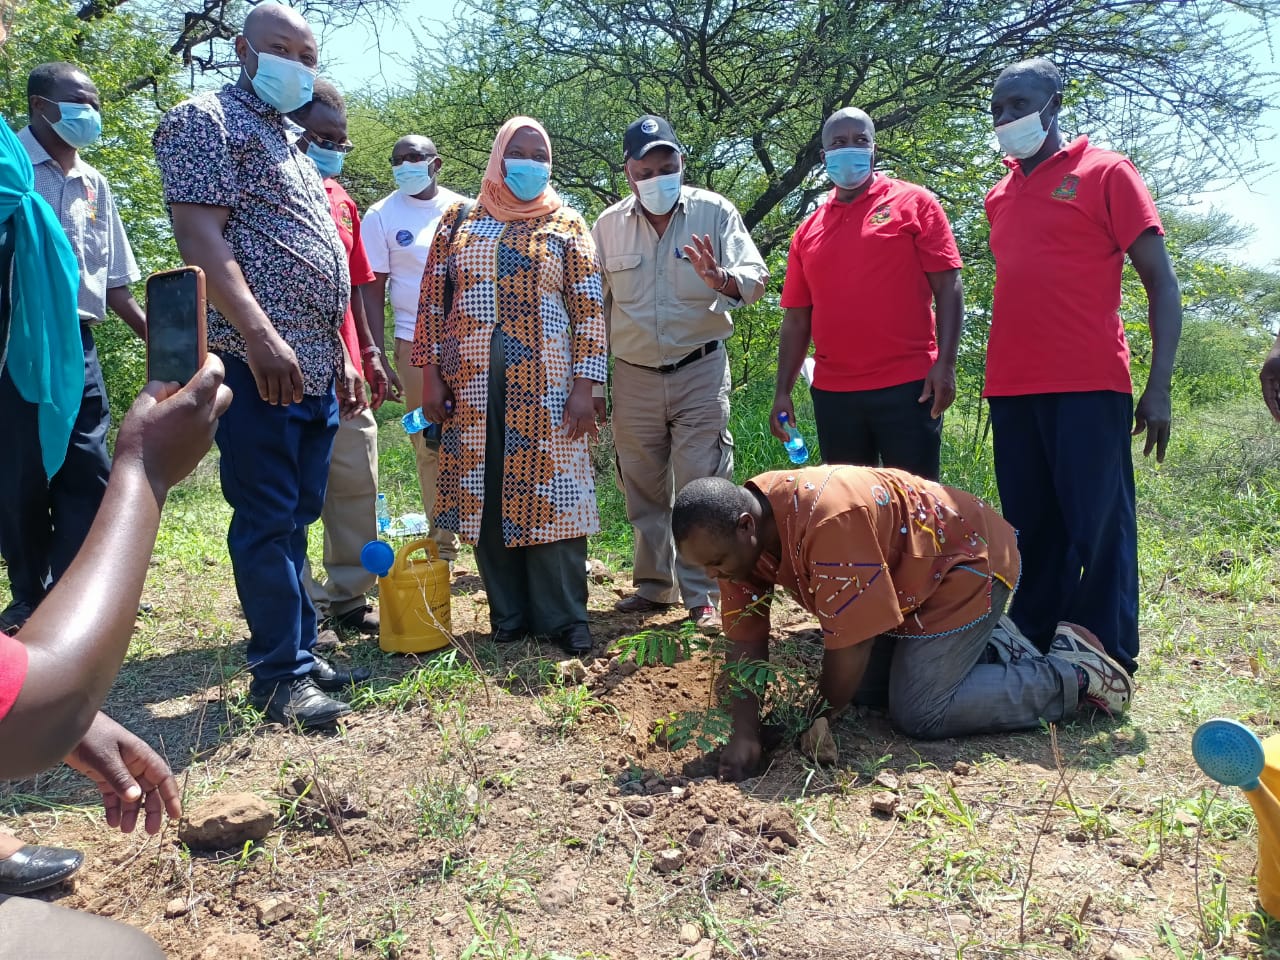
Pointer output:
676, 260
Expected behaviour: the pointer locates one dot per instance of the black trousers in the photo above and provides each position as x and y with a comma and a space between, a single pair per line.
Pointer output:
44, 522
541, 588
887, 427
1065, 472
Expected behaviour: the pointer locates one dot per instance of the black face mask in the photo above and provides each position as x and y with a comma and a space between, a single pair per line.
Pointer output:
6, 300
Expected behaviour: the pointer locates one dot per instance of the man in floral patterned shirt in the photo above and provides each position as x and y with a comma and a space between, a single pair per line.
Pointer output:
250, 209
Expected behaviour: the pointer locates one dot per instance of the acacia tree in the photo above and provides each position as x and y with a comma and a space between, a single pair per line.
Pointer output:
143, 55
748, 83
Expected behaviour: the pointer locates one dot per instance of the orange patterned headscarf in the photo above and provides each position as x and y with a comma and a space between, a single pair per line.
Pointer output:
498, 200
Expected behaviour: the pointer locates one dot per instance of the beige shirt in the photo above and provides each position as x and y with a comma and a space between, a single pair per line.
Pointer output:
656, 308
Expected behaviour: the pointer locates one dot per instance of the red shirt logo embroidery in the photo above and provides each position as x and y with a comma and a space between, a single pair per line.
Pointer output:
1066, 190
880, 214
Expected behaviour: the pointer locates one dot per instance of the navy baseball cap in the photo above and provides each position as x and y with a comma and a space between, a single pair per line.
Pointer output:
645, 134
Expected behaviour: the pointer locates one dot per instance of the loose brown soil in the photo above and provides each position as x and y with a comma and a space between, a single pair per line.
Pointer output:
520, 818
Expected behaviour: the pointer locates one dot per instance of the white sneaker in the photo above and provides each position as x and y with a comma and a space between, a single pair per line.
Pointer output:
1009, 644
1109, 685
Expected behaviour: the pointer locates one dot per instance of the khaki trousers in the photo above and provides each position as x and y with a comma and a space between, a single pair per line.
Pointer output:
348, 516
428, 459
669, 429
36, 930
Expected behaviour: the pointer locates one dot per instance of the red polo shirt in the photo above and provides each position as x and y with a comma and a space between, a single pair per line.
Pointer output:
13, 671
347, 219
1059, 238
862, 267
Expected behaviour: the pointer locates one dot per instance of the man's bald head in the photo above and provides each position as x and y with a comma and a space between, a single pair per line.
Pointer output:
1043, 73
278, 30
848, 126
274, 16
413, 143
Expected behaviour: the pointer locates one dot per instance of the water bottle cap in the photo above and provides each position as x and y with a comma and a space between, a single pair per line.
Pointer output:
783, 418
377, 556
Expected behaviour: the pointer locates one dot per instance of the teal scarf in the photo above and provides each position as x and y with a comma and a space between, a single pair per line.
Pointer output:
46, 354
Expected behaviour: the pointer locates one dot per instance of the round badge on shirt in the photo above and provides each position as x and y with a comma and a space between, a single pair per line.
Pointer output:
404, 237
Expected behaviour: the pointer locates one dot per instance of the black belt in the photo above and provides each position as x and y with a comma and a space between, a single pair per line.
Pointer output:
698, 354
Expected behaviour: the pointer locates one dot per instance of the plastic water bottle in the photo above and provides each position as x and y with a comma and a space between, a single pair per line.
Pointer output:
415, 421
794, 444
383, 514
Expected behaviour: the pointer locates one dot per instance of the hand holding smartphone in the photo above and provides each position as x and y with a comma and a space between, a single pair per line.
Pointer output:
175, 324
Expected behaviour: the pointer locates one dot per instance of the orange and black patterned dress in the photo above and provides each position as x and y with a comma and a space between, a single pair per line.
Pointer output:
539, 279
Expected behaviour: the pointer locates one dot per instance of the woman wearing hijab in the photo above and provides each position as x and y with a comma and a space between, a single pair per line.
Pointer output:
509, 373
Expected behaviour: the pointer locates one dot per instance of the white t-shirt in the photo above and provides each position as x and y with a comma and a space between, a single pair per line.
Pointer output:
397, 233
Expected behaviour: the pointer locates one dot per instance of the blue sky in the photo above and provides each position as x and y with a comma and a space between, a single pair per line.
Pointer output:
380, 58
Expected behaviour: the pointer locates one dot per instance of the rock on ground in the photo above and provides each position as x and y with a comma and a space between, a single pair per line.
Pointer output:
273, 910
669, 860
241, 946
818, 743
227, 821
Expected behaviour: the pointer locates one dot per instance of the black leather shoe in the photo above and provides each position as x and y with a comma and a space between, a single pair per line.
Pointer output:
505, 635
298, 701
329, 678
577, 639
361, 620
33, 868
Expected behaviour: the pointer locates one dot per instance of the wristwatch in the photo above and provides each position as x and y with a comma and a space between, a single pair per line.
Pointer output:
371, 351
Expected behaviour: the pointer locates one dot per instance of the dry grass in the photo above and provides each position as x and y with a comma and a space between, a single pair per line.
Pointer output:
525, 818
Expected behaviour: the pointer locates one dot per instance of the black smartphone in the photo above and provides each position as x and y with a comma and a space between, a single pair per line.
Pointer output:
175, 324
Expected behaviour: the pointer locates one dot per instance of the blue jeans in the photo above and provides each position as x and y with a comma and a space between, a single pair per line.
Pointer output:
274, 469
1065, 472
952, 686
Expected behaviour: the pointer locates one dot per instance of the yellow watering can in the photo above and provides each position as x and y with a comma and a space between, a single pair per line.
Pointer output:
1230, 753
413, 596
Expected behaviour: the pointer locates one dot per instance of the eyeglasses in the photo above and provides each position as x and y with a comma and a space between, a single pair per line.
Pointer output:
324, 144
413, 157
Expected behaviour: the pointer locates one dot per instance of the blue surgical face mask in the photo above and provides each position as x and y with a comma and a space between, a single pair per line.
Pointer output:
850, 167
285, 84
1022, 138
328, 162
527, 178
80, 125
413, 178
659, 194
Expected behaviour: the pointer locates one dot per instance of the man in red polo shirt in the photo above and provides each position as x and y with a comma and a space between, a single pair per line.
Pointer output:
351, 496
1058, 381
863, 275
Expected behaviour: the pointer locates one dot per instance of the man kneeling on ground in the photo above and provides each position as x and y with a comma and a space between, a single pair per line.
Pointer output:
909, 580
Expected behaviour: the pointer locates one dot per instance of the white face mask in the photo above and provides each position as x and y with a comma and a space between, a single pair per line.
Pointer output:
659, 194
1021, 138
